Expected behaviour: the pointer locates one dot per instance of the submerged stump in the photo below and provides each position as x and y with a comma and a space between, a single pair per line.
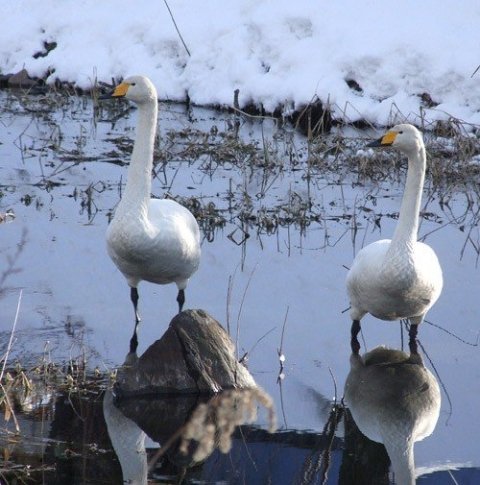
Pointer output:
195, 355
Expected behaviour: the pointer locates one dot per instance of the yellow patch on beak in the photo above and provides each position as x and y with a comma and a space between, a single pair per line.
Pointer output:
120, 90
388, 138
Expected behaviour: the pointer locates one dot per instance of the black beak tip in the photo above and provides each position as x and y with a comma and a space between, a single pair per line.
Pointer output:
375, 144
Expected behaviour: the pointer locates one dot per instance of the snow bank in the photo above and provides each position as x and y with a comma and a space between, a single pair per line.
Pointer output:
276, 52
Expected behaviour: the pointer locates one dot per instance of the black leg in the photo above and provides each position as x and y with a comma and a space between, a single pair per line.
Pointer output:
134, 339
412, 333
354, 343
412, 343
180, 299
134, 298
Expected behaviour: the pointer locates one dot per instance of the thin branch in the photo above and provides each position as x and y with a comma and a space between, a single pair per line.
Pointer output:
176, 28
281, 356
237, 337
12, 333
334, 385
282, 405
454, 335
166, 446
253, 117
11, 261
246, 354
10, 344
447, 395
280, 350
229, 297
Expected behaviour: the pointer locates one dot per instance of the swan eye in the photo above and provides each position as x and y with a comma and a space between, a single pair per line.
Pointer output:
132, 84
400, 132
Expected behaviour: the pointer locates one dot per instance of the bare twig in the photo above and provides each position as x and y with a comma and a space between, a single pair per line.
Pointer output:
447, 395
241, 307
281, 356
12, 334
246, 354
449, 471
282, 405
472, 344
253, 117
229, 297
176, 27
9, 347
334, 385
11, 260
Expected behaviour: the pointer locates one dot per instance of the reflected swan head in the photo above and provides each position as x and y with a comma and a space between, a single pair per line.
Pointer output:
395, 400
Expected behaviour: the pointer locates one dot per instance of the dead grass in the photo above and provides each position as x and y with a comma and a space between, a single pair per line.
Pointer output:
452, 160
339, 157
211, 425
32, 393
226, 150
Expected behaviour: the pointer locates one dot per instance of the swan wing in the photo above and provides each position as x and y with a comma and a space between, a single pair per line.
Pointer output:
363, 282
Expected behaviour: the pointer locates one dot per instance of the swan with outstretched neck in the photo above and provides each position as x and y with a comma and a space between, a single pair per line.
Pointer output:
155, 240
399, 278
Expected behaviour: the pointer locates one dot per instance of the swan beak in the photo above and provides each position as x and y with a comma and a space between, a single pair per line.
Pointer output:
385, 141
119, 92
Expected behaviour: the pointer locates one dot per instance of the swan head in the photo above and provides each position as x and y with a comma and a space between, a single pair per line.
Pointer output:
404, 137
138, 89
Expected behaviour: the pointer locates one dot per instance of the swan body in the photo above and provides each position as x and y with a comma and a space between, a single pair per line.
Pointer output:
161, 248
155, 240
398, 278
395, 400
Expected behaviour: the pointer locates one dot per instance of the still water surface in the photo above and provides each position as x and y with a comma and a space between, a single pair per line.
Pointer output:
57, 175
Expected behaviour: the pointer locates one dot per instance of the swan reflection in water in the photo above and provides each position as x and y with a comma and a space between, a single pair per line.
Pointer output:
395, 400
189, 427
128, 441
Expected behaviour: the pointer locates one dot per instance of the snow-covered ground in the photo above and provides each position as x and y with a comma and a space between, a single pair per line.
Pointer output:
276, 52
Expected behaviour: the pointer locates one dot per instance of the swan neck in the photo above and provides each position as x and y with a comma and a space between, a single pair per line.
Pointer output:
407, 226
128, 441
139, 176
403, 463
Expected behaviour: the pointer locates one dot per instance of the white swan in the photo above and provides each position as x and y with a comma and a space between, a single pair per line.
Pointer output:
395, 400
150, 239
398, 278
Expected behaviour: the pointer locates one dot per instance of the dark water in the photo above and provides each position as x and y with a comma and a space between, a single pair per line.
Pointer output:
69, 440
59, 173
